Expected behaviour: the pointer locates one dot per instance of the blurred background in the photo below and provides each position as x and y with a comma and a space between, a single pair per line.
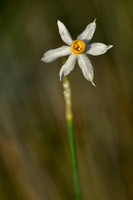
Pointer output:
34, 148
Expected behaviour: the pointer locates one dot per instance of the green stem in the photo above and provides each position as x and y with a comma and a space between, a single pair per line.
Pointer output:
69, 119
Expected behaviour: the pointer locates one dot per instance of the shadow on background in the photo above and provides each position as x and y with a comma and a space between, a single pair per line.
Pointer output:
34, 149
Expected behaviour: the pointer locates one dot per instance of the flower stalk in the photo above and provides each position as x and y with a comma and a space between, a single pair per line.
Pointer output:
69, 119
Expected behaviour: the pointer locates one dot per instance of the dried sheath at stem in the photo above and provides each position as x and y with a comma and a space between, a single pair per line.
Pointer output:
67, 95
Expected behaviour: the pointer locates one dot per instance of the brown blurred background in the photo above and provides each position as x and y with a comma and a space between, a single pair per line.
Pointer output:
34, 147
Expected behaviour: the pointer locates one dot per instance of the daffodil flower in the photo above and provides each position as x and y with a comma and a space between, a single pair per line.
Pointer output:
77, 50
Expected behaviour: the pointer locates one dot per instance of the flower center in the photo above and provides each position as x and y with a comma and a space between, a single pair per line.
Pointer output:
78, 46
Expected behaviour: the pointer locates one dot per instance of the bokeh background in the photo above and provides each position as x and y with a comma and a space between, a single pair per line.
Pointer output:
34, 148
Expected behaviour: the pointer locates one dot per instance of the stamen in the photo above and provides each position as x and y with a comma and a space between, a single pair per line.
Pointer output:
80, 45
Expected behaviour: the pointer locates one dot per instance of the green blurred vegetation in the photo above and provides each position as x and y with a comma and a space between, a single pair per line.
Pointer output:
34, 149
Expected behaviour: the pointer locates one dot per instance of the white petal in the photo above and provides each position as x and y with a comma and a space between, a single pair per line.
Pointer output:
86, 67
65, 35
68, 66
87, 34
97, 49
53, 54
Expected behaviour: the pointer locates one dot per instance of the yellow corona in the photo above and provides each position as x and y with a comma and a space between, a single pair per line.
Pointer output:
78, 46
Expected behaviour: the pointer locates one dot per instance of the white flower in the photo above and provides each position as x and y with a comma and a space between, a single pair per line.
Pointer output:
77, 50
